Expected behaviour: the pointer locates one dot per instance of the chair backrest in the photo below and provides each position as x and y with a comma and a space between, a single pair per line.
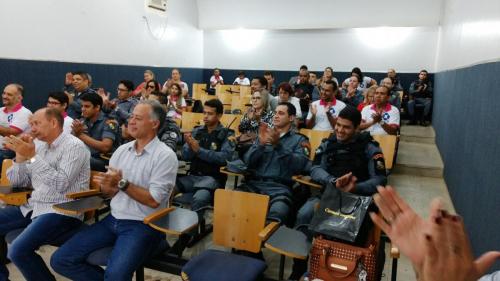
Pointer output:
6, 164
227, 89
198, 90
238, 219
388, 144
191, 120
245, 91
228, 118
315, 138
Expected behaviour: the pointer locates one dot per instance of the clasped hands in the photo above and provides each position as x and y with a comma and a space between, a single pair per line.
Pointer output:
108, 181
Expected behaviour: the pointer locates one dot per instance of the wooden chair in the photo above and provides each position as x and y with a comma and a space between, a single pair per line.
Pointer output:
231, 119
227, 89
226, 100
191, 120
240, 103
199, 90
315, 139
9, 195
389, 145
245, 91
239, 222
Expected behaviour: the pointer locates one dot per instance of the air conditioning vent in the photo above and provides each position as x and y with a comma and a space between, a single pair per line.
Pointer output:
160, 5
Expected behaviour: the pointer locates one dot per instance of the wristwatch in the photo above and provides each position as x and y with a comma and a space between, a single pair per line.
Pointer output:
32, 160
123, 184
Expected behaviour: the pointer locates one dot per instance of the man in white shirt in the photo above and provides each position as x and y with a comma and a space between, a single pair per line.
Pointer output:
140, 180
60, 101
58, 165
241, 79
216, 78
14, 117
380, 118
323, 113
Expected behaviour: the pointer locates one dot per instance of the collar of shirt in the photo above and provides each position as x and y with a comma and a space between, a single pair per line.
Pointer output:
325, 103
148, 148
387, 107
16, 108
89, 123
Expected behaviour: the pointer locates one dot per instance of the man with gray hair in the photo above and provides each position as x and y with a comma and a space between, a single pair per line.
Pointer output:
140, 179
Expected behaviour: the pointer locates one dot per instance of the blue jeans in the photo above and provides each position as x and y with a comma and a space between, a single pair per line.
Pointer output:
202, 187
133, 243
42, 230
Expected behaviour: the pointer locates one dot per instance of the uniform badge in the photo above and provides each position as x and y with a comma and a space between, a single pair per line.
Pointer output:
386, 116
173, 135
379, 161
112, 126
213, 146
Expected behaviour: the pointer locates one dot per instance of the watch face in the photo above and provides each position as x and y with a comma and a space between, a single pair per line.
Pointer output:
122, 183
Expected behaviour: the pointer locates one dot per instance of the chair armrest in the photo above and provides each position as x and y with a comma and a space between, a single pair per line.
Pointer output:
307, 181
83, 194
175, 221
289, 242
156, 215
268, 230
225, 171
79, 206
394, 252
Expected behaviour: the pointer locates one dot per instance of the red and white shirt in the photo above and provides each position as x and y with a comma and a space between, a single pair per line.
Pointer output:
17, 118
321, 122
390, 115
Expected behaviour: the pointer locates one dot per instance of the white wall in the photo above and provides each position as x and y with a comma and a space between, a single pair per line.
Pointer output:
470, 33
93, 31
376, 49
316, 14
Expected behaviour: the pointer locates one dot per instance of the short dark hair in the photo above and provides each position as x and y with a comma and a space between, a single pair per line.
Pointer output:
267, 73
157, 85
60, 97
334, 85
93, 98
215, 103
387, 89
352, 114
357, 70
262, 80
241, 72
128, 84
54, 113
304, 67
157, 112
19, 88
84, 75
423, 70
290, 108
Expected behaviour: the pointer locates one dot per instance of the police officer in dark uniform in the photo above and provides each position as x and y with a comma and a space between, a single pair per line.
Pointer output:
170, 134
351, 161
277, 155
100, 134
208, 149
122, 107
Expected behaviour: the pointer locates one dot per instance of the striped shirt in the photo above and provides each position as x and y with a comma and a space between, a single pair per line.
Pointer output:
155, 169
60, 168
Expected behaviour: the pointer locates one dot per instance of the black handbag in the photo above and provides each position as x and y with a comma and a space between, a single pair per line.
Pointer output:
341, 215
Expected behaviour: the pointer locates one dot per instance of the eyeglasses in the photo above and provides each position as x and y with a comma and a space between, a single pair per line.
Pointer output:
122, 90
53, 103
150, 87
256, 98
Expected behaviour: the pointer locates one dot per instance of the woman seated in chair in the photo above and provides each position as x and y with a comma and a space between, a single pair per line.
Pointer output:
259, 112
176, 102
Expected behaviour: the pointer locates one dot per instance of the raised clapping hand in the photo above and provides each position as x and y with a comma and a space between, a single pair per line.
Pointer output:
23, 146
438, 247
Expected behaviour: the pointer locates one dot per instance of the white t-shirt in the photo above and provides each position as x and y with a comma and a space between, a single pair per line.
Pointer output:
184, 85
18, 118
321, 122
293, 100
363, 84
171, 110
245, 81
213, 80
67, 124
389, 116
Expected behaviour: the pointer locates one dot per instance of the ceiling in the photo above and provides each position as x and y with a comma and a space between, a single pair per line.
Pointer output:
316, 14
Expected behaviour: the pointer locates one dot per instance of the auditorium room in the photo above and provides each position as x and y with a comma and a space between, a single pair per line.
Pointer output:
229, 140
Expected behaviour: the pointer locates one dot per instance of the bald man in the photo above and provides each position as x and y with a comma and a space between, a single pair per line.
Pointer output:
13, 117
